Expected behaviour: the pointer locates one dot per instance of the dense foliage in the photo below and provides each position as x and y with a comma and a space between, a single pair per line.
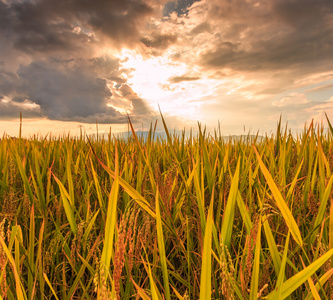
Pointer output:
177, 218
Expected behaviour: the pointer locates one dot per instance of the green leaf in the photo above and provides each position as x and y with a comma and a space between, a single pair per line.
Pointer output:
281, 204
278, 288
256, 266
24, 176
228, 215
206, 266
297, 280
67, 205
129, 189
111, 220
161, 247
319, 285
20, 294
272, 245
322, 207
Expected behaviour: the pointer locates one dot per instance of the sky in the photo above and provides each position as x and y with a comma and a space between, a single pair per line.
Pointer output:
69, 64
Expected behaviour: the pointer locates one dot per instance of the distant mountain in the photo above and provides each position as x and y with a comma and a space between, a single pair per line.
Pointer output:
162, 135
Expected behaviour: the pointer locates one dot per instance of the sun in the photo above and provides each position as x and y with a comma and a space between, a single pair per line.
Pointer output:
152, 79
150, 75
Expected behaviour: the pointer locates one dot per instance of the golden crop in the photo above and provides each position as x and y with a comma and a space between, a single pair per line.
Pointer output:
196, 217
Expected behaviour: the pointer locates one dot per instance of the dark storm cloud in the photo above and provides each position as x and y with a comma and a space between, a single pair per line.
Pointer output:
48, 49
305, 13
271, 35
73, 89
67, 91
56, 25
7, 83
10, 110
139, 107
47, 53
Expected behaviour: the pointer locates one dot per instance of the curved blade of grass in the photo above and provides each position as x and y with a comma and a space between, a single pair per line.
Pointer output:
293, 184
180, 203
314, 291
80, 273
172, 150
208, 168
322, 208
50, 286
330, 227
67, 205
199, 191
272, 245
206, 267
325, 161
153, 288
39, 258
297, 280
278, 288
304, 144
281, 204
228, 215
141, 292
321, 282
111, 219
20, 294
69, 176
128, 188
31, 252
329, 124
244, 212
161, 246
90, 225
38, 188
144, 155
179, 296
256, 266
97, 187
24, 176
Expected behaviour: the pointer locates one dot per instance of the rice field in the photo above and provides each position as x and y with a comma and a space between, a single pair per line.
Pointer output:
186, 217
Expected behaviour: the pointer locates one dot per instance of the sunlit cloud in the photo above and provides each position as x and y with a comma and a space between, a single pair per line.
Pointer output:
148, 74
293, 99
321, 107
153, 79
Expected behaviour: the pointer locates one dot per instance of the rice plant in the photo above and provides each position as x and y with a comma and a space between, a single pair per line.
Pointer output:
198, 217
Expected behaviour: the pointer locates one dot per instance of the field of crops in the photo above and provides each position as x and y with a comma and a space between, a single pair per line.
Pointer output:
187, 217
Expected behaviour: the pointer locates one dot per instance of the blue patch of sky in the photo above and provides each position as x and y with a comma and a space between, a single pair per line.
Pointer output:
315, 93
319, 92
180, 7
